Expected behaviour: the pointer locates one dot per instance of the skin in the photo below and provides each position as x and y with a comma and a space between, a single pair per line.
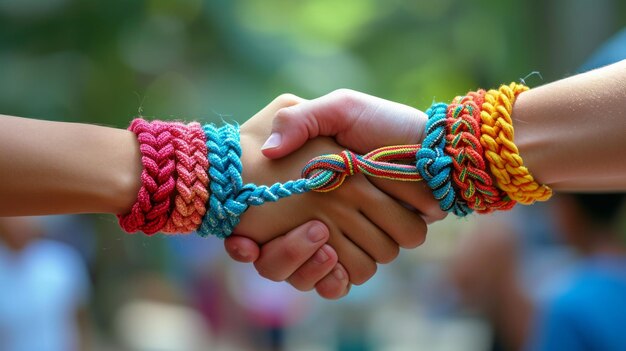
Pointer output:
584, 113
53, 167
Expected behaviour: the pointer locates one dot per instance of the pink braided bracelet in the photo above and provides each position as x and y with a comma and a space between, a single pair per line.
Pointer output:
151, 210
192, 179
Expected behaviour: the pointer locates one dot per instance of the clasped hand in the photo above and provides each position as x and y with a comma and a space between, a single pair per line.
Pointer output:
332, 239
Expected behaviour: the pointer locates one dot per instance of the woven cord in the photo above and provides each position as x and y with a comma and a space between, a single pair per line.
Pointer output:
435, 166
470, 174
192, 179
152, 208
503, 155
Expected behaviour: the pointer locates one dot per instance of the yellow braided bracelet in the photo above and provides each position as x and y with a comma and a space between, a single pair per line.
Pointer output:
500, 150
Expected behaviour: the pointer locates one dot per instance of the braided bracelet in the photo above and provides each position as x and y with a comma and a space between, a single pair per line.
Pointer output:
152, 208
497, 138
464, 141
192, 180
435, 166
470, 168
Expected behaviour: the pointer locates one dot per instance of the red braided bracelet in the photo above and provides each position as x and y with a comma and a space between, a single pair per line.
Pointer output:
152, 208
470, 168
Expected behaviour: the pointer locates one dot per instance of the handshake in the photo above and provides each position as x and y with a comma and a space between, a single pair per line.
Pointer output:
156, 176
332, 240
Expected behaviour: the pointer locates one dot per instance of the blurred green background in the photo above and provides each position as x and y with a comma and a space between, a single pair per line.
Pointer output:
105, 62
101, 61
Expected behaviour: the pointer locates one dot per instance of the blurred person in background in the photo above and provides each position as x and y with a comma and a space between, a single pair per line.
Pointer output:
505, 266
535, 292
590, 311
45, 289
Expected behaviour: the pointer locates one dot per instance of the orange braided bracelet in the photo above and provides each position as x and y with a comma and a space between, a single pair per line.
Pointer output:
500, 150
192, 179
470, 168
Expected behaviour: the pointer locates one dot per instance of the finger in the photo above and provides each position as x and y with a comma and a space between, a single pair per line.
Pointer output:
334, 285
369, 237
415, 194
241, 249
359, 265
282, 256
403, 225
313, 270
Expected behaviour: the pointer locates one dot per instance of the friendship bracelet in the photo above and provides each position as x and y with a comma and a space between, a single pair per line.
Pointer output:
192, 179
152, 208
503, 155
470, 168
435, 166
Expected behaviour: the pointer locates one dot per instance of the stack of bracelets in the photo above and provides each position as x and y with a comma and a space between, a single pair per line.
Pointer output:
191, 177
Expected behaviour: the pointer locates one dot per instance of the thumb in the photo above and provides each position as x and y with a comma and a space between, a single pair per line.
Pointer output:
293, 126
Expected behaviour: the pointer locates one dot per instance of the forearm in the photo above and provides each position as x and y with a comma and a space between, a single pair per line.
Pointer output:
56, 167
571, 133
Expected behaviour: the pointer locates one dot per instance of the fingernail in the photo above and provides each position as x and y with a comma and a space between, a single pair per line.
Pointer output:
273, 141
315, 233
241, 253
338, 273
320, 256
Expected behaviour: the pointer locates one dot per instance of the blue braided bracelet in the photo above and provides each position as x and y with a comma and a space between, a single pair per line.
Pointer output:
435, 166
229, 198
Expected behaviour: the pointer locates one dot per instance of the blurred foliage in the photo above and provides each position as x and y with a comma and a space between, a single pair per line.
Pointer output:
105, 61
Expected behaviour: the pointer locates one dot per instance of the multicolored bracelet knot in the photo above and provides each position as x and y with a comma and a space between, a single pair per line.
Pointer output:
468, 158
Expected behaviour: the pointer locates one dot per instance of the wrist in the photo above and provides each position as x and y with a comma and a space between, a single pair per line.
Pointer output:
125, 176
529, 140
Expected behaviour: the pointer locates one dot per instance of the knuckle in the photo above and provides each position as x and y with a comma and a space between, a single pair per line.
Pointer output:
301, 281
268, 273
390, 254
345, 95
347, 99
440, 215
282, 116
363, 274
287, 99
437, 215
417, 238
330, 292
